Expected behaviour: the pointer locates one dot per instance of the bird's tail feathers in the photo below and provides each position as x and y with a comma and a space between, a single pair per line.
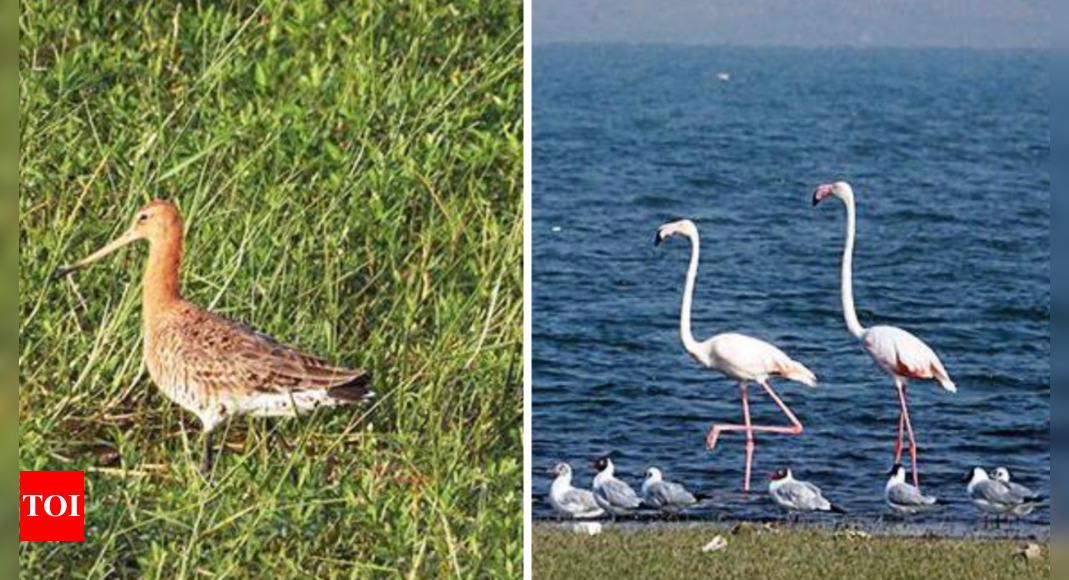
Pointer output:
797, 372
943, 377
836, 509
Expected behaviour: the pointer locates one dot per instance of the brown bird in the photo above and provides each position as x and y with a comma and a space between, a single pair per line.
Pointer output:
211, 366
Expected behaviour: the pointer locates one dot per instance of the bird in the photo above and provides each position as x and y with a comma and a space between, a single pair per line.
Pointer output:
1031, 499
992, 497
738, 357
612, 495
568, 501
898, 353
906, 499
799, 497
210, 366
665, 495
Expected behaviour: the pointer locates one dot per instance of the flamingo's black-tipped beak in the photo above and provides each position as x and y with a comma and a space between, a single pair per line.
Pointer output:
823, 192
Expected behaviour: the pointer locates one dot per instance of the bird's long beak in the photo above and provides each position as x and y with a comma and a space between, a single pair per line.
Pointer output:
823, 192
121, 242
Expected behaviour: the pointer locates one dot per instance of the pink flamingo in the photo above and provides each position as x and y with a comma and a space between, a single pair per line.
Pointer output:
897, 352
740, 358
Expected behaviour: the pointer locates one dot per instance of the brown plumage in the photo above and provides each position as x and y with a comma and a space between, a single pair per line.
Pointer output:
213, 367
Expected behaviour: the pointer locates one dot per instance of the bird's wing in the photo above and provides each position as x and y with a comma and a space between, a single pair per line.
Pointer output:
746, 355
995, 492
678, 495
212, 352
1022, 492
908, 496
618, 493
805, 496
579, 500
904, 354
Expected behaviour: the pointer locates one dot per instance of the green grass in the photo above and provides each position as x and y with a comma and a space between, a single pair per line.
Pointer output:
677, 555
351, 177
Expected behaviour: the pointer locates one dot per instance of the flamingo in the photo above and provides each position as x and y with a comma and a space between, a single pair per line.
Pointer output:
898, 353
738, 357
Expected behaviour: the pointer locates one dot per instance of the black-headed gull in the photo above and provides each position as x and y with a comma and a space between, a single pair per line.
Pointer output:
665, 495
905, 498
992, 497
569, 501
1031, 499
611, 494
799, 497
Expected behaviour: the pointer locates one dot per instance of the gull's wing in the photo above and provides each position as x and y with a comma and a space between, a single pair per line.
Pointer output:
619, 494
804, 496
579, 500
908, 496
995, 493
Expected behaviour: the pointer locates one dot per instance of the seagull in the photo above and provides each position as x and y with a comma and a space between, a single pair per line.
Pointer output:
907, 499
1031, 499
611, 494
568, 501
993, 497
799, 497
665, 495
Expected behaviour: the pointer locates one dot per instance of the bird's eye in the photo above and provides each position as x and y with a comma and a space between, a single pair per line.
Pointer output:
143, 217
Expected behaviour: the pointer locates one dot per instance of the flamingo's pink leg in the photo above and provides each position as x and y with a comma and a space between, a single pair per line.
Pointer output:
750, 444
901, 436
909, 429
795, 429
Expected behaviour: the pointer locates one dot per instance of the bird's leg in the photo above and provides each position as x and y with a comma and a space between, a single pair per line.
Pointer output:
902, 397
206, 455
899, 447
750, 444
796, 427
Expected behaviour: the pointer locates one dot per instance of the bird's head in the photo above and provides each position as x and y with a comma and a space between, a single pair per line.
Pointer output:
781, 475
976, 475
654, 474
1002, 474
841, 190
156, 221
561, 469
602, 464
680, 227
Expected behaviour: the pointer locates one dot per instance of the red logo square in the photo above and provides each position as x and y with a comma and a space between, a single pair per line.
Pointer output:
53, 506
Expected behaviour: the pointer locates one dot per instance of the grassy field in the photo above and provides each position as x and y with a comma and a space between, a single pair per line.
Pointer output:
351, 178
677, 555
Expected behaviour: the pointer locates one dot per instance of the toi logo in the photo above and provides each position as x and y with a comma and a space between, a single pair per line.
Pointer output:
52, 506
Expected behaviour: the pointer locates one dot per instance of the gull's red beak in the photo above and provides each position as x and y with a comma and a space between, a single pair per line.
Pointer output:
823, 192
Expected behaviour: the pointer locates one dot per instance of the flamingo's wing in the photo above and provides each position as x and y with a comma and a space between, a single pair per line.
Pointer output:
746, 356
901, 353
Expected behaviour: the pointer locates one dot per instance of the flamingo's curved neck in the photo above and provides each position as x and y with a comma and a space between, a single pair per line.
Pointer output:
849, 310
161, 282
685, 332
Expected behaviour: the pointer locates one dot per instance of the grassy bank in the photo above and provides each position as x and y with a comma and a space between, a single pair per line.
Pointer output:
677, 555
351, 176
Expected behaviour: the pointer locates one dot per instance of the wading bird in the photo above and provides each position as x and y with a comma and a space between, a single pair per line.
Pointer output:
569, 501
740, 358
799, 497
897, 352
210, 366
905, 499
665, 495
611, 494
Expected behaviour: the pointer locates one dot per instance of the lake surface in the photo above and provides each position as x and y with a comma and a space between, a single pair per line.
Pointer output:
949, 154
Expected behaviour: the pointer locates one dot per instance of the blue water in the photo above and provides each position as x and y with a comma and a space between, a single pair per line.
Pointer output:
949, 154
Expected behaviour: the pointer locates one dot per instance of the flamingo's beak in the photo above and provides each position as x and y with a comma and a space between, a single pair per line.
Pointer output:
823, 192
121, 242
